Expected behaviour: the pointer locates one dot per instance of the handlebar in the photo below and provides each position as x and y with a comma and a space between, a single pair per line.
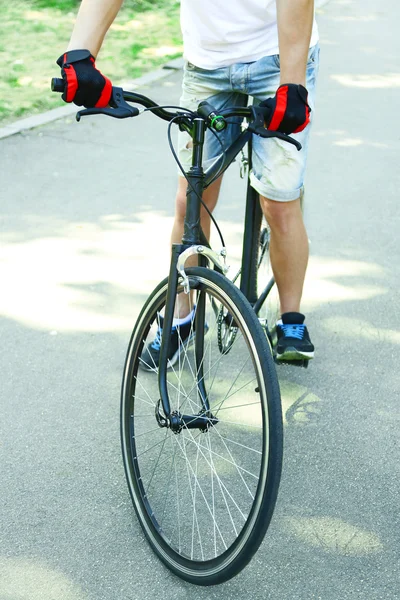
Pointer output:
120, 109
57, 85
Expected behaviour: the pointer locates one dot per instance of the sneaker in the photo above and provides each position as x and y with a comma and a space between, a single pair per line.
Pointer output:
181, 337
293, 339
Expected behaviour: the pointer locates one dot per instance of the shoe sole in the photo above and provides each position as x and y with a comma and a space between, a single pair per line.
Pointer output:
293, 354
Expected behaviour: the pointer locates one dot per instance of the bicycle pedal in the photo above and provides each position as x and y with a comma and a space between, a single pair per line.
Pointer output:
292, 363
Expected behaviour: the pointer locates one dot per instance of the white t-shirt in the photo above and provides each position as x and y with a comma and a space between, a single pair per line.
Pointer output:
218, 33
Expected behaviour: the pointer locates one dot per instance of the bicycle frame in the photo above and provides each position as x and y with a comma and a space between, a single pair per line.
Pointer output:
198, 181
252, 224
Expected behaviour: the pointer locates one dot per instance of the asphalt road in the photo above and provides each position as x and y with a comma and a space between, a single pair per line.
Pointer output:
85, 216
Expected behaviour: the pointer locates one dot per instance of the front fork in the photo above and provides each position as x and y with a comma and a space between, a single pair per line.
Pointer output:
174, 419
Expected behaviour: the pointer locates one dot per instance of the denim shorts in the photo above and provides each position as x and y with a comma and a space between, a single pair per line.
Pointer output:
278, 167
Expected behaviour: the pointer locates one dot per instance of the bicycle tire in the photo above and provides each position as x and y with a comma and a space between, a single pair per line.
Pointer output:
269, 312
160, 466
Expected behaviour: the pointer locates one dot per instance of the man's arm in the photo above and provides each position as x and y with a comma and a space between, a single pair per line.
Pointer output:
92, 23
84, 84
295, 21
288, 111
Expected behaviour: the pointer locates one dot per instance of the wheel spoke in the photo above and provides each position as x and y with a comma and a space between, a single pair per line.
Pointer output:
202, 489
220, 482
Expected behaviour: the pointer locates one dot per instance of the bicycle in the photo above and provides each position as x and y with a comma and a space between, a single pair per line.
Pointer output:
202, 442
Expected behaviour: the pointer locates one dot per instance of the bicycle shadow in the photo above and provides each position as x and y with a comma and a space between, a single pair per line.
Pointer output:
305, 410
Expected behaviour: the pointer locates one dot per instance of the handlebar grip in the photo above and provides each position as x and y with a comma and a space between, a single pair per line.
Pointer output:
57, 85
257, 126
267, 110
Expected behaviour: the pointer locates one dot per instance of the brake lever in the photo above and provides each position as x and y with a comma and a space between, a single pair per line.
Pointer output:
257, 127
119, 109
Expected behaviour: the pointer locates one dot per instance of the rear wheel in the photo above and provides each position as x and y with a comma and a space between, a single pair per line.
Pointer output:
269, 311
267, 304
203, 495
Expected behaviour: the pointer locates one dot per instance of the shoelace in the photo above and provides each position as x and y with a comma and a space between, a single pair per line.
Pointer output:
294, 331
156, 344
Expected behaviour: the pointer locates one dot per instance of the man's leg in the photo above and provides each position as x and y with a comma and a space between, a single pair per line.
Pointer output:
289, 258
277, 174
288, 250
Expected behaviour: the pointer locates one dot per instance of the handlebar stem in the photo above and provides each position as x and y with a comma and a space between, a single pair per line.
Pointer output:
195, 188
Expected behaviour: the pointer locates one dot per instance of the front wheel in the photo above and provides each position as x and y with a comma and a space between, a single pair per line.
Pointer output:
204, 496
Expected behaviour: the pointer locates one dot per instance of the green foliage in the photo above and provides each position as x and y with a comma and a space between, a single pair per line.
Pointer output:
72, 5
35, 32
144, 5
64, 5
135, 49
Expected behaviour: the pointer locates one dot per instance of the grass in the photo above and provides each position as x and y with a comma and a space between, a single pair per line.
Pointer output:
33, 33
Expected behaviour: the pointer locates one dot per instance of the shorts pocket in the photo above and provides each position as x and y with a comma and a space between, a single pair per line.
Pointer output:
191, 68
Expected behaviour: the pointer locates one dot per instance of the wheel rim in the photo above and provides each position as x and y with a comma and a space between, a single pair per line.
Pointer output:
200, 514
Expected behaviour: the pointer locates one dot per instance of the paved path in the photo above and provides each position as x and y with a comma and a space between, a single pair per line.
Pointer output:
78, 213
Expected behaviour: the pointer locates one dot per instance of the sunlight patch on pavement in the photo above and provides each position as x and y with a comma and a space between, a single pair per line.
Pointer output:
357, 18
320, 3
25, 579
352, 328
353, 142
58, 282
345, 140
331, 280
96, 276
372, 81
334, 535
90, 276
349, 142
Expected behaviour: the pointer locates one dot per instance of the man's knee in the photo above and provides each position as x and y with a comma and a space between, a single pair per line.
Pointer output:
280, 214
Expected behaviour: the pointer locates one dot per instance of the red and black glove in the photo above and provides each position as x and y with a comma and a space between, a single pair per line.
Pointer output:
289, 111
84, 84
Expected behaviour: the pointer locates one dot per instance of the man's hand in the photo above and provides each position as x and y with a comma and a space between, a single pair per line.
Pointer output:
84, 84
289, 111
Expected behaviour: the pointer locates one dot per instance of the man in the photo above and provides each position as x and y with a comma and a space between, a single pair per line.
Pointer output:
266, 49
